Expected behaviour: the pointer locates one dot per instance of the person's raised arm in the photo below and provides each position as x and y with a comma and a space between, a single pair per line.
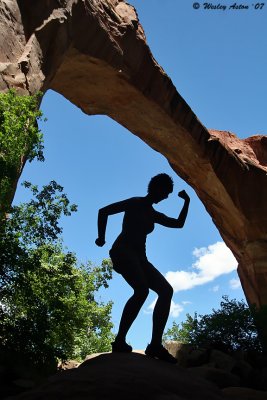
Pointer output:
162, 219
103, 214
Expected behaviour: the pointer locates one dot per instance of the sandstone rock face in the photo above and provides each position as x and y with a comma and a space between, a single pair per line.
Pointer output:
95, 54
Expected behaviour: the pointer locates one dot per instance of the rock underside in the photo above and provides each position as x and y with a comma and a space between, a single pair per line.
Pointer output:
95, 54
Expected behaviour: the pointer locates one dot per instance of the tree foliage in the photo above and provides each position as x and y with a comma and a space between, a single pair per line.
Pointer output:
20, 138
49, 308
231, 327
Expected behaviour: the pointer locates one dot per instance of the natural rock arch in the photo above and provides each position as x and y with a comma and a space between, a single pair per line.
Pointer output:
95, 54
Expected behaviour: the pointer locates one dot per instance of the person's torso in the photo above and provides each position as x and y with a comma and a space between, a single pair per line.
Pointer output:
138, 222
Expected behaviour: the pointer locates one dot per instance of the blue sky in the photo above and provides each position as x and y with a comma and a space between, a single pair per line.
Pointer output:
217, 61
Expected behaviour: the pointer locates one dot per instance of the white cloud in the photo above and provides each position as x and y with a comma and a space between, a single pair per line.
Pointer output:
215, 288
235, 283
175, 310
212, 262
150, 308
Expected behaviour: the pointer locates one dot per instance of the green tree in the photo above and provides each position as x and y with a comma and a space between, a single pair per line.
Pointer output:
183, 334
49, 308
231, 327
20, 139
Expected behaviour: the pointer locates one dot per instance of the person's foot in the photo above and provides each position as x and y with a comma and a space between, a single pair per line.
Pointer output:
121, 347
160, 353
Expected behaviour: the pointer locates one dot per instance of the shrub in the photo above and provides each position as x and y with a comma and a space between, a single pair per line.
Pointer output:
229, 328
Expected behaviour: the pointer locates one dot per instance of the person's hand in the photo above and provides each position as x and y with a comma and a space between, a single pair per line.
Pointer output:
100, 242
183, 195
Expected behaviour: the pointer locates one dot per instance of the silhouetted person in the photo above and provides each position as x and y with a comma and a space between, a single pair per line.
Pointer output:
128, 255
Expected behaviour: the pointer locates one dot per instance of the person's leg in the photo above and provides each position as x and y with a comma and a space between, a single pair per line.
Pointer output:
160, 285
135, 277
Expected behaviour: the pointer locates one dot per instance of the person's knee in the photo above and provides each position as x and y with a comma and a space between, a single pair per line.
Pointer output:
141, 293
167, 291
170, 291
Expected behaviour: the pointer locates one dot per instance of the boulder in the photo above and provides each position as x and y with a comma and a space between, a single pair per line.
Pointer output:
217, 376
243, 369
129, 376
24, 383
238, 393
186, 354
221, 360
70, 364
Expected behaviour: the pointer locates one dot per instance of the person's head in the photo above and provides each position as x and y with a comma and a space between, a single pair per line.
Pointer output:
159, 187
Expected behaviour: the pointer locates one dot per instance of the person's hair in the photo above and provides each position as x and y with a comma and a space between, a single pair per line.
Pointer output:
160, 182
